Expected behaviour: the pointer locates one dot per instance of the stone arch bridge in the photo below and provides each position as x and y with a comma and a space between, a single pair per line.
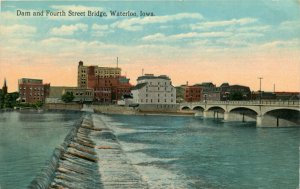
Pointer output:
265, 113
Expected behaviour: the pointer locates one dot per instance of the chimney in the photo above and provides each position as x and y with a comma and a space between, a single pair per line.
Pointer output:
117, 62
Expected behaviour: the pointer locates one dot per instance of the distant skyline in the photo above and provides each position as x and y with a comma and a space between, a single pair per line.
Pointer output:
204, 41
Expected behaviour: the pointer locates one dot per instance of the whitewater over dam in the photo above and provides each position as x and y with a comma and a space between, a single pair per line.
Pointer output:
90, 157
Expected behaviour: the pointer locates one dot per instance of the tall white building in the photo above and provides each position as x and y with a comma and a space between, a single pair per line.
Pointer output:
154, 93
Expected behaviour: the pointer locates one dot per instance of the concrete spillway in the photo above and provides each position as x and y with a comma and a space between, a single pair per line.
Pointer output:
90, 157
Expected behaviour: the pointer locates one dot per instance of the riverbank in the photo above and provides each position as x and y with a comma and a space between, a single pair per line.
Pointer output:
123, 110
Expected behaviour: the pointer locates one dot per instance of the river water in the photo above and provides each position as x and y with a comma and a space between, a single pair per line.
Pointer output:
189, 152
168, 151
27, 141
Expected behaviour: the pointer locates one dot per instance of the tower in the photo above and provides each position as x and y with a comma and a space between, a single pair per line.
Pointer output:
4, 88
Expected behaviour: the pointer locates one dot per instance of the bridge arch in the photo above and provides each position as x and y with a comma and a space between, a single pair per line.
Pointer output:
198, 108
243, 110
243, 114
267, 110
216, 109
282, 117
185, 108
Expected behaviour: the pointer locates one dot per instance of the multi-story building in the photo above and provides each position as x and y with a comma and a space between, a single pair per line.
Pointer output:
111, 89
108, 84
192, 93
234, 92
80, 94
86, 74
154, 93
32, 90
209, 91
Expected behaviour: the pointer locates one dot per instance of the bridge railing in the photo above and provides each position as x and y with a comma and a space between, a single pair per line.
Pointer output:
252, 102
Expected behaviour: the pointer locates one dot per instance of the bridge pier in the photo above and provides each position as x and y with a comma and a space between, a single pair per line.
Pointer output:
226, 116
258, 121
209, 114
198, 113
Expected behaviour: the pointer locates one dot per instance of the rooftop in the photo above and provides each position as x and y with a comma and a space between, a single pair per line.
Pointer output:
151, 76
139, 86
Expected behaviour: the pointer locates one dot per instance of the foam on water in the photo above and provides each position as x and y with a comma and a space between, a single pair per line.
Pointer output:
151, 168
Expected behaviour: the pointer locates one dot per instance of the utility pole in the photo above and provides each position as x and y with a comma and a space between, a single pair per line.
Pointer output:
260, 96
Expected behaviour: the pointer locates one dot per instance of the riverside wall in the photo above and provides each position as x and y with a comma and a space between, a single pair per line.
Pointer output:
63, 106
114, 109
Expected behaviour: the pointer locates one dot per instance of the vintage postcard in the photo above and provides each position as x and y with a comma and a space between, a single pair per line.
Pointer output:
150, 94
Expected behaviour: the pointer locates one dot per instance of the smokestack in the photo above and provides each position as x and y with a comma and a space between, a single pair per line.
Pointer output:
117, 62
142, 71
187, 83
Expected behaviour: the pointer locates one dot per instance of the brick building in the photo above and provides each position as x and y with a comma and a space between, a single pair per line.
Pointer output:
192, 93
108, 84
110, 89
32, 90
86, 74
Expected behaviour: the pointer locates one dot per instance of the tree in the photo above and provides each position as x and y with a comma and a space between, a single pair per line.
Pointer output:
10, 100
1, 99
38, 104
236, 96
68, 97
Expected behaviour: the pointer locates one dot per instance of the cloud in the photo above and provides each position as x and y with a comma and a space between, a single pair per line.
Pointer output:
223, 23
254, 29
290, 25
58, 41
101, 29
17, 30
135, 24
162, 37
69, 29
293, 43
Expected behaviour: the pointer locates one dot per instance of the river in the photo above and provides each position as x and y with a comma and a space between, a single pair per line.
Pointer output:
189, 152
27, 141
168, 151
